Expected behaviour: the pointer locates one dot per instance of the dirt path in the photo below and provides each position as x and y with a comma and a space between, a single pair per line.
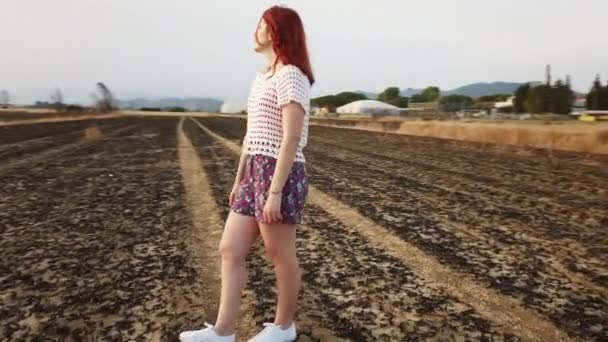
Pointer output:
205, 237
505, 312
259, 295
464, 205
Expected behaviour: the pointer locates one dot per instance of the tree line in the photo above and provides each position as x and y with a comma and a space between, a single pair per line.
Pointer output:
555, 98
597, 98
392, 95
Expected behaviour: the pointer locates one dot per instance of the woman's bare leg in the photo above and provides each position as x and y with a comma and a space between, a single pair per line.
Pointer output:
240, 232
280, 244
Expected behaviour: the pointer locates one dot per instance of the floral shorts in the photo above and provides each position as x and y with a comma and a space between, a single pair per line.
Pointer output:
254, 187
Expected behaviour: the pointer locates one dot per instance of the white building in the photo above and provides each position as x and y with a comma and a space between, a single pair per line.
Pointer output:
369, 107
229, 107
505, 104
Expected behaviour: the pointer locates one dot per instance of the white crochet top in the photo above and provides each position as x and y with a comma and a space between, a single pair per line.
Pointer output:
264, 114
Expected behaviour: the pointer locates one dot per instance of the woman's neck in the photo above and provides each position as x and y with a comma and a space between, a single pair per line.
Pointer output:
271, 57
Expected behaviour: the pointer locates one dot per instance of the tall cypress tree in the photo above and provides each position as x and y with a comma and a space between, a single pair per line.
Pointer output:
539, 99
594, 97
562, 98
521, 94
604, 98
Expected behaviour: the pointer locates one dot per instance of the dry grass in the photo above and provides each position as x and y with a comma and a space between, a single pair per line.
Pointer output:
29, 110
92, 133
570, 136
59, 118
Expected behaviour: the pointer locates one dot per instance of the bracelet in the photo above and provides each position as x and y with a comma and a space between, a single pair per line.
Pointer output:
275, 192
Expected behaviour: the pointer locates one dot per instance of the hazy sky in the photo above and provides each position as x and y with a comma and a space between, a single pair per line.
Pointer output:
199, 48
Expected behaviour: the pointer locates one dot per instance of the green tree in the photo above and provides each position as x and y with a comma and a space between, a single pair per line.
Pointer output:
401, 102
595, 95
494, 98
417, 98
453, 103
598, 96
562, 98
177, 109
389, 94
334, 101
539, 99
431, 94
604, 103
521, 95
106, 102
323, 101
348, 97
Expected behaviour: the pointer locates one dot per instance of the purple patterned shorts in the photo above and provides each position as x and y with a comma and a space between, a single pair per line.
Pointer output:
253, 191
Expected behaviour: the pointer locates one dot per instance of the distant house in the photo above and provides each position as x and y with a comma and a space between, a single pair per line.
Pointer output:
467, 113
422, 109
504, 106
579, 105
233, 107
370, 107
321, 111
485, 105
423, 106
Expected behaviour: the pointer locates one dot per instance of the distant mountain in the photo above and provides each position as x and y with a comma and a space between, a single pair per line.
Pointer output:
195, 103
404, 92
482, 89
410, 91
369, 95
473, 90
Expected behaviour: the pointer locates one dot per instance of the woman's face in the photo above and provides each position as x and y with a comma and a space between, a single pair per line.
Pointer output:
262, 41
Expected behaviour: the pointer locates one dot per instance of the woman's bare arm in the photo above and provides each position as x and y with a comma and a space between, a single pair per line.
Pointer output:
293, 121
242, 161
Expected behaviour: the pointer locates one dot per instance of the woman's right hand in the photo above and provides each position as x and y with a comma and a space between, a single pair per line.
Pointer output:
233, 193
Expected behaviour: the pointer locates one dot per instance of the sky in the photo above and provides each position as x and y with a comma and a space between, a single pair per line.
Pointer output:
200, 48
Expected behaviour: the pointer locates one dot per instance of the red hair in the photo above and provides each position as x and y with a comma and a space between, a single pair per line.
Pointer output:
288, 38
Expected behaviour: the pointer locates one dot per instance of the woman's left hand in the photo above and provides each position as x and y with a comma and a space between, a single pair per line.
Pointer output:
272, 209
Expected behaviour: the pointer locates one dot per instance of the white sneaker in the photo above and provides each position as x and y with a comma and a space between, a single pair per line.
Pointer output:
205, 335
274, 333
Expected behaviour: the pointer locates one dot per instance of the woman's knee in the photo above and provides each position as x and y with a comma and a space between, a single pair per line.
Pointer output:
280, 253
232, 252
272, 251
240, 232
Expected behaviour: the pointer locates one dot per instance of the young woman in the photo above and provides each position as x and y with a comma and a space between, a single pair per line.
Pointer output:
271, 184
